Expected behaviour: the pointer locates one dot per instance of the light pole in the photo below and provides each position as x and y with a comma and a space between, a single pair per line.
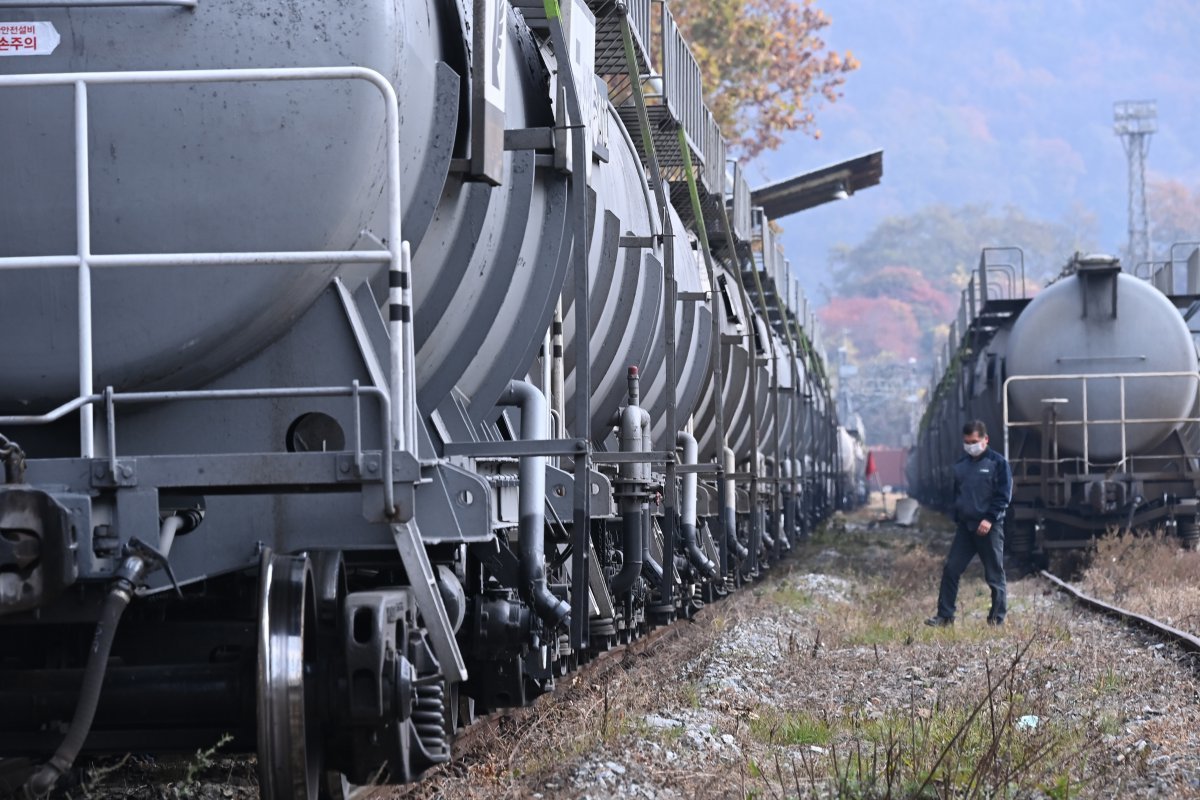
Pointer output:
1135, 121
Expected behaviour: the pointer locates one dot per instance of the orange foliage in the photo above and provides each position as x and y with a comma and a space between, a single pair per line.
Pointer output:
876, 326
764, 66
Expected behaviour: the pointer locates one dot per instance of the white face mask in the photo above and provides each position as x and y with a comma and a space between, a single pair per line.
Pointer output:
975, 449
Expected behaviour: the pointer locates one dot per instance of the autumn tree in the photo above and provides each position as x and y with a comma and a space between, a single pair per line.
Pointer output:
876, 326
1174, 212
765, 66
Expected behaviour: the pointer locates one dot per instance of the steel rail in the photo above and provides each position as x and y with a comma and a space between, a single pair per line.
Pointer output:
1184, 639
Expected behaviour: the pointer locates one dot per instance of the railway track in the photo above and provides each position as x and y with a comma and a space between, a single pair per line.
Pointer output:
1184, 639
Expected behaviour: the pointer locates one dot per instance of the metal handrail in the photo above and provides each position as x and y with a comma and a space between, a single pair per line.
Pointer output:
1168, 457
402, 388
111, 399
738, 197
713, 176
683, 91
1149, 271
1162, 274
1084, 421
1011, 273
983, 260
1172, 258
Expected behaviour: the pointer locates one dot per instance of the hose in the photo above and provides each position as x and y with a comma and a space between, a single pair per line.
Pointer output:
115, 603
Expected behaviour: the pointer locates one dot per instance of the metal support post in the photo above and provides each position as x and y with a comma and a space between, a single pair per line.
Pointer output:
671, 491
762, 299
775, 452
718, 381
582, 514
83, 229
755, 446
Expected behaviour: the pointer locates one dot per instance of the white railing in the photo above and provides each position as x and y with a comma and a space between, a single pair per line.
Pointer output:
401, 395
1122, 420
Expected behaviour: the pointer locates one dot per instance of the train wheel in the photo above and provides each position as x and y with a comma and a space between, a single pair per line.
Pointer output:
289, 731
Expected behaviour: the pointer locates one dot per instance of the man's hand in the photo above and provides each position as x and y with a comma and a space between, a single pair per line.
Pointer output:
984, 528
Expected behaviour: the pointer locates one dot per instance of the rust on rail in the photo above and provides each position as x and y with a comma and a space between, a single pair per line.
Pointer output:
1186, 640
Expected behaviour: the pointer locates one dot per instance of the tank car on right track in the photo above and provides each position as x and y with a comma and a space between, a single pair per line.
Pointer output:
1090, 389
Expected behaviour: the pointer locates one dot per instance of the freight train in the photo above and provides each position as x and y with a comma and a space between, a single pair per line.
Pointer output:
1089, 387
368, 366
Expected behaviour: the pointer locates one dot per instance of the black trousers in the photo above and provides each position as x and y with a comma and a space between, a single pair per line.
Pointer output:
990, 549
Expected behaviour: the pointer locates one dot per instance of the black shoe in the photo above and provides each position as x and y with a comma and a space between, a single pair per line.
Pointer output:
996, 621
939, 622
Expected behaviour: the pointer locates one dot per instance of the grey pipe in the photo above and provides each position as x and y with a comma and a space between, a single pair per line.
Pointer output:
643, 471
630, 440
768, 541
651, 566
730, 510
558, 404
166, 534
789, 498
531, 503
769, 521
688, 527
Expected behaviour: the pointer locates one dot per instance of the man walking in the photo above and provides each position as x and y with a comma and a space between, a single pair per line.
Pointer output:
982, 489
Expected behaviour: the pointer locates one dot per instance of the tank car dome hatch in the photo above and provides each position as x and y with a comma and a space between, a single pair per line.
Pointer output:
1094, 261
1102, 322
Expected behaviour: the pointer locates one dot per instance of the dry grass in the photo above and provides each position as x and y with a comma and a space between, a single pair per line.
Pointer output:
996, 737
1148, 573
530, 750
904, 710
837, 689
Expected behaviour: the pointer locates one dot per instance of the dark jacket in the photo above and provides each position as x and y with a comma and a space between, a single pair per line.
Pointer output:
982, 488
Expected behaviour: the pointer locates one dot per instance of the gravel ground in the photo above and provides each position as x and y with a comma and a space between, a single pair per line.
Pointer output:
821, 681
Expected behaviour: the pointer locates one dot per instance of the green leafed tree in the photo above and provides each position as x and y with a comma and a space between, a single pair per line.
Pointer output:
765, 65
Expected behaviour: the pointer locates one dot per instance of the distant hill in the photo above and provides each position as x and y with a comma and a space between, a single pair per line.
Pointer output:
1001, 103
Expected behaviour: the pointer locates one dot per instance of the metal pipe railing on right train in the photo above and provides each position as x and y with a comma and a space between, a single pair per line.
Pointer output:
1122, 420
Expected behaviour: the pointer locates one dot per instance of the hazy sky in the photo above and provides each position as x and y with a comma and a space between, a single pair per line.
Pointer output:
1006, 102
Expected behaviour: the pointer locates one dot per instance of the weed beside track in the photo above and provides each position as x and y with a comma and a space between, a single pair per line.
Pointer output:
822, 681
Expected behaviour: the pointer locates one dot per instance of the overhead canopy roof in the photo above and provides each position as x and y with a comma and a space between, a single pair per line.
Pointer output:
819, 186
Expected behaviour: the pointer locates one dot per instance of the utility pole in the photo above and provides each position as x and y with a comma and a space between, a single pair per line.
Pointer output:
1134, 121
